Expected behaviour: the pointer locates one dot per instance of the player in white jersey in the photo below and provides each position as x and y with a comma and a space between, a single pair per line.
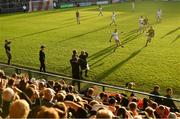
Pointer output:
100, 11
141, 24
116, 39
113, 19
159, 13
133, 5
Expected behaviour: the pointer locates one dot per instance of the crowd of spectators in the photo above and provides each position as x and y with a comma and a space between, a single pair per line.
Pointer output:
21, 97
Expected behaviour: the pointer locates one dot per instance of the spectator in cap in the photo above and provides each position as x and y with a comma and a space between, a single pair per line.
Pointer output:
42, 59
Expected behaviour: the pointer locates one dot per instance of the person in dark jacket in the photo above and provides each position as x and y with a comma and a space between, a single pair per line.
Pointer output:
75, 70
169, 102
156, 92
83, 63
42, 59
8, 50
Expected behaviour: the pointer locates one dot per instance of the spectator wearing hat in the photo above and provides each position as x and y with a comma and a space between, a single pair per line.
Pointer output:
42, 59
8, 50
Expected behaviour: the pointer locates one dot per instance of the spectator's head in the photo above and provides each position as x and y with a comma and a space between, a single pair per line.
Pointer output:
121, 112
48, 113
11, 82
49, 94
104, 113
150, 112
30, 92
90, 91
22, 85
57, 87
112, 101
93, 102
161, 110
132, 106
2, 73
70, 97
172, 116
169, 91
60, 97
105, 97
156, 88
61, 106
101, 95
8, 94
41, 85
154, 105
51, 83
14, 75
19, 109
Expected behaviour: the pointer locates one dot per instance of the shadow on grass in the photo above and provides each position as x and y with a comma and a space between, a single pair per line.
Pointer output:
43, 31
170, 32
178, 36
67, 24
99, 29
101, 53
119, 65
102, 57
131, 38
114, 68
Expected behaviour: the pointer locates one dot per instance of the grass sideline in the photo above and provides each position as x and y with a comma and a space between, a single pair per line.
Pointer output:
159, 63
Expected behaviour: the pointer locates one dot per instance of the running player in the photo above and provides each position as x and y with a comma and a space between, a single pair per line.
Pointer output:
116, 39
113, 19
150, 35
141, 24
100, 11
159, 13
78, 17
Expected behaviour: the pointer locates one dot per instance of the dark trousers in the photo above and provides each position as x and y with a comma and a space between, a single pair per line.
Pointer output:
76, 76
9, 58
42, 66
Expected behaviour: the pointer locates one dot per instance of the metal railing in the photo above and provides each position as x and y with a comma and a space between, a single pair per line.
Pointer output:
103, 85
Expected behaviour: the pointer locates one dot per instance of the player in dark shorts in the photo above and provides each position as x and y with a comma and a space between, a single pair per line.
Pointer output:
150, 35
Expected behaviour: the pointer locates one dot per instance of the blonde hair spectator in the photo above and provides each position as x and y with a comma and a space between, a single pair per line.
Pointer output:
19, 109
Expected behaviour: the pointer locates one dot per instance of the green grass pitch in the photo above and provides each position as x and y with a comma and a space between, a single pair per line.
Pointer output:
159, 63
